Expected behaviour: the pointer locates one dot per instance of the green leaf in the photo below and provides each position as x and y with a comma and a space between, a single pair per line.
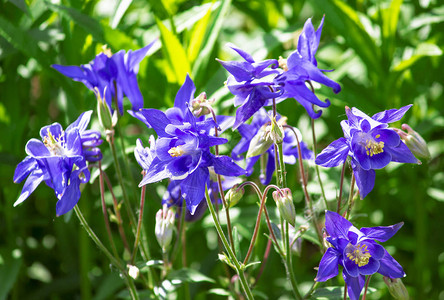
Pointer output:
197, 35
436, 194
423, 50
174, 53
9, 269
189, 275
390, 18
346, 22
219, 292
120, 11
204, 56
21, 4
334, 293
22, 41
237, 248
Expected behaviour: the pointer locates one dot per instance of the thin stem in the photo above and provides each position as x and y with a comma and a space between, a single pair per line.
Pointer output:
312, 289
238, 267
270, 229
117, 213
307, 196
366, 287
340, 187
345, 291
281, 161
105, 213
289, 264
258, 222
139, 223
350, 196
263, 262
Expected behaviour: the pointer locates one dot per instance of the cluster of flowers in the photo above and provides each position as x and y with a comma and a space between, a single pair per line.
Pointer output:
185, 135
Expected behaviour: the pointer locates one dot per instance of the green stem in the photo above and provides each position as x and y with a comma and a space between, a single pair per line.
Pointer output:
139, 223
289, 264
283, 173
238, 267
114, 261
350, 196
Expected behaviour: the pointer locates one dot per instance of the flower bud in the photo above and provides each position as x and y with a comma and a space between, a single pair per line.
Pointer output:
234, 195
396, 288
164, 227
104, 112
284, 202
414, 141
133, 271
268, 134
200, 105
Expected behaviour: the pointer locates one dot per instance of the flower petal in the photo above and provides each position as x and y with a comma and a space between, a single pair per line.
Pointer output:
390, 267
336, 225
193, 188
329, 265
34, 179
370, 268
185, 94
70, 196
381, 233
224, 165
354, 285
402, 154
365, 179
157, 120
391, 115
335, 154
25, 167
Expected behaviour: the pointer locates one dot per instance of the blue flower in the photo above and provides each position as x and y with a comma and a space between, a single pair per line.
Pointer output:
182, 149
173, 196
60, 161
370, 144
251, 83
357, 252
300, 67
289, 145
107, 72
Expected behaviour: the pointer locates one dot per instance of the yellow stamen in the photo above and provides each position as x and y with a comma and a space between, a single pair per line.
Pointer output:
360, 255
54, 144
372, 147
176, 151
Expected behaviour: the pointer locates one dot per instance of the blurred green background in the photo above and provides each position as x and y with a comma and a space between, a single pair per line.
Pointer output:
386, 54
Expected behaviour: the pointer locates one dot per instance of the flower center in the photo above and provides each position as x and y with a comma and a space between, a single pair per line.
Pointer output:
360, 255
176, 151
372, 147
55, 145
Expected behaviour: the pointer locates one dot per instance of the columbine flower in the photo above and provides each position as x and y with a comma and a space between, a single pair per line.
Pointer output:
248, 131
60, 160
182, 150
107, 72
358, 252
370, 144
301, 66
251, 83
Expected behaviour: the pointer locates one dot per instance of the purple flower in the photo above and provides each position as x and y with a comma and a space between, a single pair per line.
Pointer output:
370, 144
111, 75
182, 149
289, 145
251, 83
300, 67
357, 252
60, 161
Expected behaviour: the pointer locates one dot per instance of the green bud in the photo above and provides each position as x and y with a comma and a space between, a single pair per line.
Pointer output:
105, 117
234, 195
396, 288
284, 202
269, 134
414, 141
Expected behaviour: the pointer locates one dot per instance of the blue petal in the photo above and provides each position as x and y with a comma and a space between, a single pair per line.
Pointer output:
354, 285
381, 233
241, 52
34, 179
70, 197
365, 179
193, 188
335, 154
269, 169
81, 123
390, 267
402, 154
328, 267
252, 105
336, 225
156, 172
185, 94
224, 165
55, 129
157, 120
375, 250
370, 268
25, 167
391, 115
